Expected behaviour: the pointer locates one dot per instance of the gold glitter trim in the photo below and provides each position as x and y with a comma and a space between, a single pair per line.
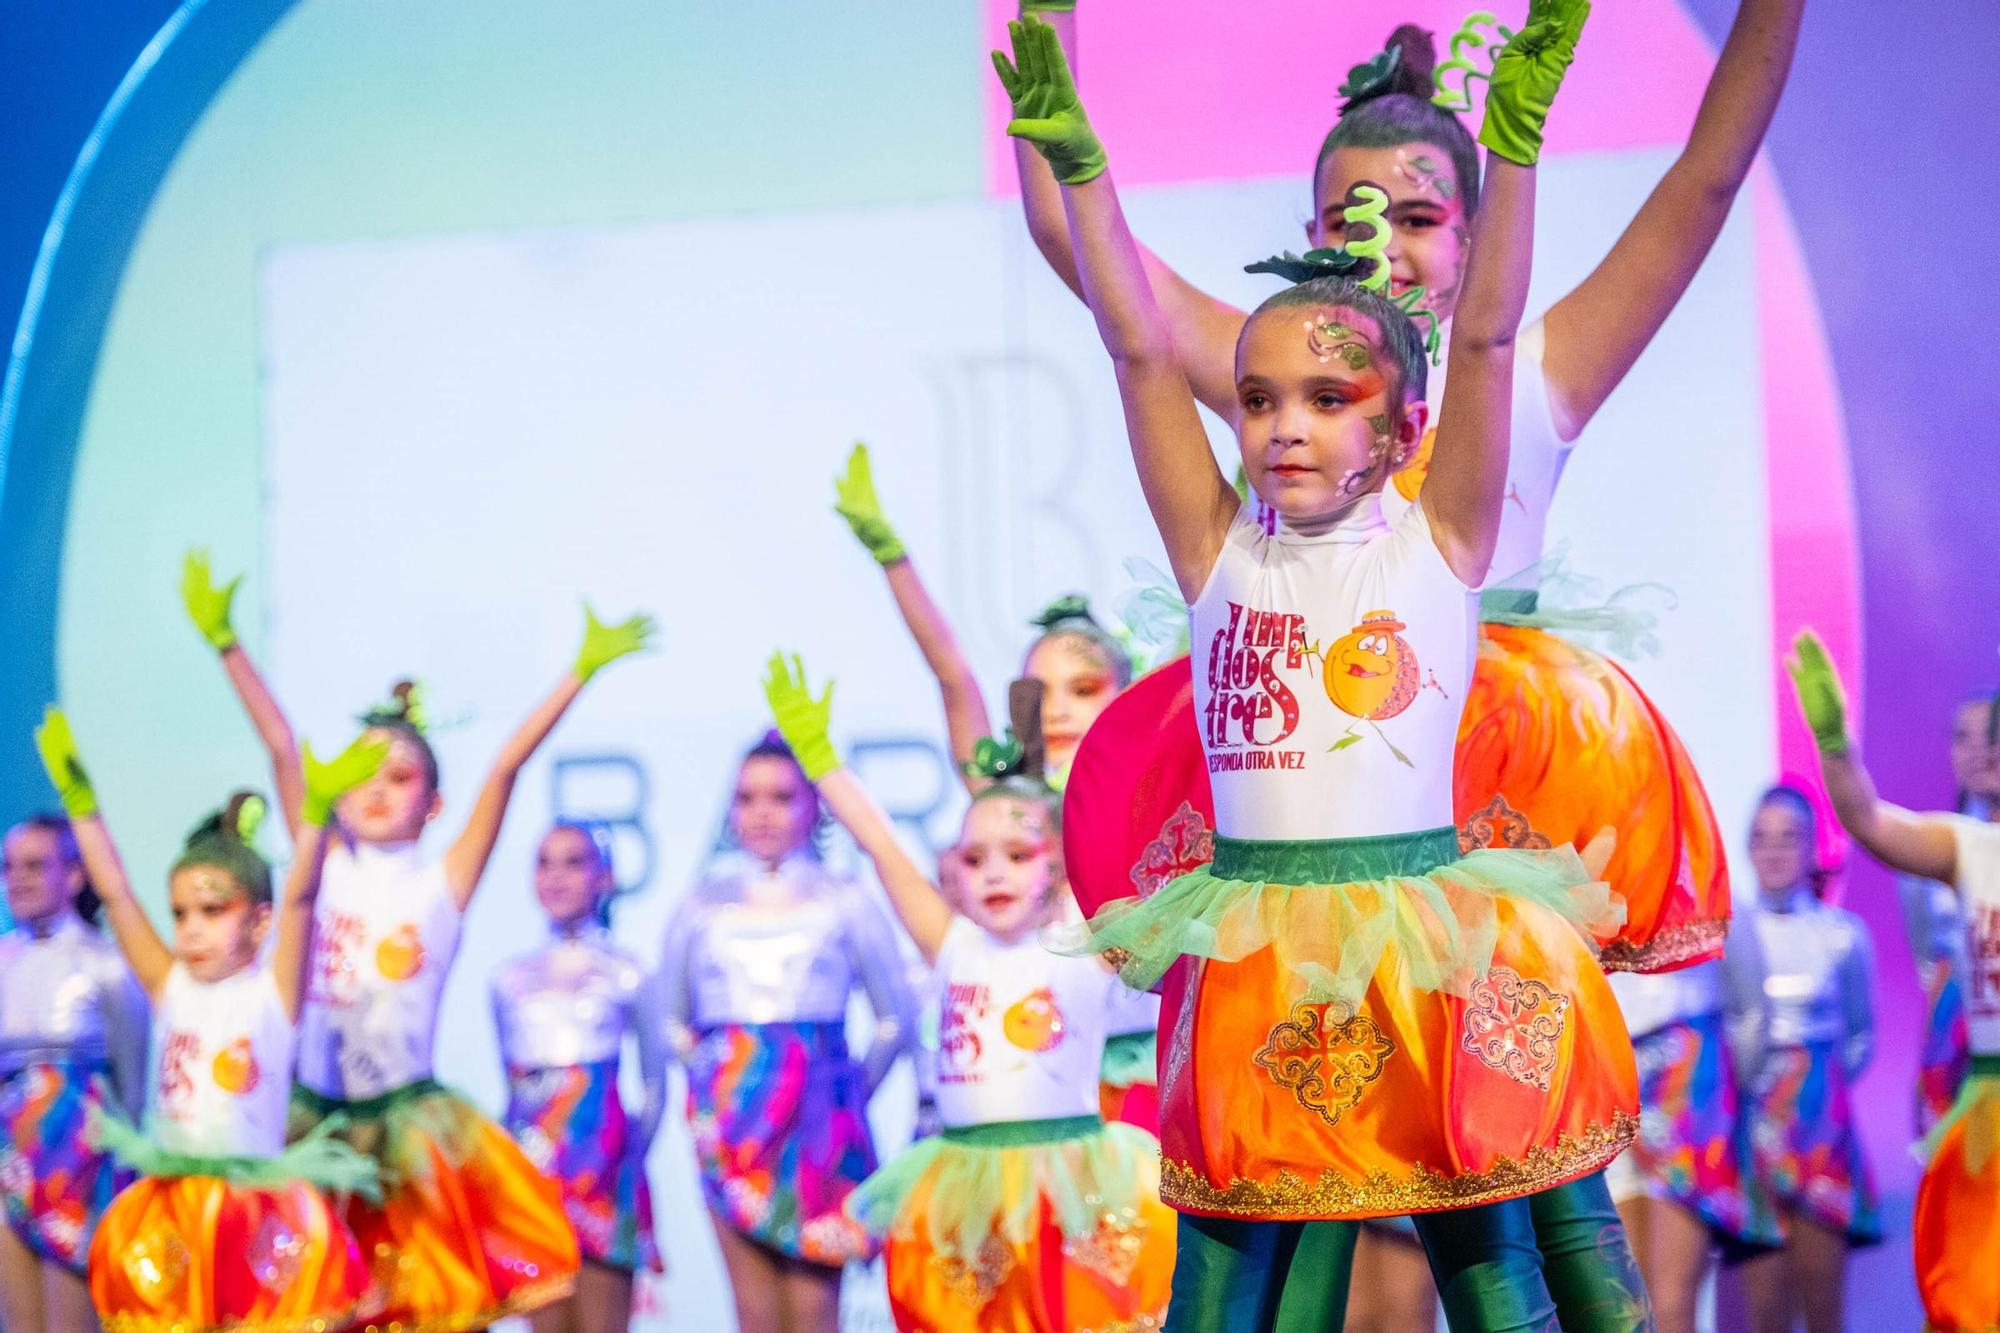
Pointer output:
1668, 949
1326, 1062
1513, 1024
1381, 1194
978, 1281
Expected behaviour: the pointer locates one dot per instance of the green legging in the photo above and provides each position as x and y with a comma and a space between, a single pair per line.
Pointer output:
1506, 1266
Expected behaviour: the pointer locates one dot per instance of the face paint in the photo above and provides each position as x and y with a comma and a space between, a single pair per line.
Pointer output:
1422, 171
1355, 480
1327, 338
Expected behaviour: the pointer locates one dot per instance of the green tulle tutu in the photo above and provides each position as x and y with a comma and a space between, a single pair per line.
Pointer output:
967, 1185
1978, 1097
397, 1130
320, 1158
1130, 1058
1334, 910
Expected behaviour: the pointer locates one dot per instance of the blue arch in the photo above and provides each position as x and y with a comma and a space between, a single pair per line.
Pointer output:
54, 355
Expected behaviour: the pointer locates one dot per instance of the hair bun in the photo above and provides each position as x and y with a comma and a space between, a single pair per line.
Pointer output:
1419, 62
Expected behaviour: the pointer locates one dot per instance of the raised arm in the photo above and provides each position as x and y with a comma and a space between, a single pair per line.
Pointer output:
1204, 328
325, 784
965, 717
1191, 501
803, 721
603, 644
209, 606
1475, 420
1917, 844
1595, 334
145, 952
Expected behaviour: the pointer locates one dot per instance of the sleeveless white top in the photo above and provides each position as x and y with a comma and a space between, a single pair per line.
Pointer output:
1329, 673
1535, 458
222, 1061
1979, 885
1021, 1030
386, 929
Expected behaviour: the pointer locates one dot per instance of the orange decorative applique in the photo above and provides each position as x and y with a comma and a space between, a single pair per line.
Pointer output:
1371, 671
1186, 842
1035, 1022
1499, 825
977, 1280
1112, 1251
400, 956
235, 1068
1513, 1024
1327, 1062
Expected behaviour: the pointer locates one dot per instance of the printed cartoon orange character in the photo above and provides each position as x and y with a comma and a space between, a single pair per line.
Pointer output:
235, 1068
1371, 672
1034, 1022
1410, 479
401, 955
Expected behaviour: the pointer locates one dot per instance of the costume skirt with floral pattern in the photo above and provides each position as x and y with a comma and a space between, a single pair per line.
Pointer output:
54, 1184
1804, 1144
572, 1124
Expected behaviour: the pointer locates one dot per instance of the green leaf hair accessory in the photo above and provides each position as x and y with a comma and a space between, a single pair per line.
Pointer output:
1372, 77
1411, 304
996, 759
1466, 44
250, 812
1070, 606
403, 708
1367, 210
1322, 263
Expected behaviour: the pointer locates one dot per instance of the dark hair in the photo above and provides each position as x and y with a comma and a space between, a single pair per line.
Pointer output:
1069, 617
1401, 112
88, 905
1401, 342
220, 842
1818, 874
400, 714
1026, 779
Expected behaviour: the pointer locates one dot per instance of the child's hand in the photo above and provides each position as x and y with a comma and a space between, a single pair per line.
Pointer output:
1820, 696
802, 720
1047, 7
604, 644
1526, 75
57, 746
1046, 110
207, 605
327, 782
855, 501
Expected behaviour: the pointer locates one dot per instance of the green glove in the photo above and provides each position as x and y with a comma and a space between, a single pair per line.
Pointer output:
1820, 696
854, 500
1047, 7
207, 605
802, 720
57, 746
604, 644
327, 782
1046, 110
1526, 75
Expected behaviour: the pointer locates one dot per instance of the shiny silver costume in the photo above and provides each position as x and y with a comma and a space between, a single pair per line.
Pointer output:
67, 998
1816, 966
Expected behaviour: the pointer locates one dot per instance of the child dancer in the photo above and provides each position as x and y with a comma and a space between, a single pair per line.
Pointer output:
1081, 669
1812, 964
760, 963
1027, 1212
72, 1023
1958, 1202
468, 1231
564, 1010
1357, 989
226, 1229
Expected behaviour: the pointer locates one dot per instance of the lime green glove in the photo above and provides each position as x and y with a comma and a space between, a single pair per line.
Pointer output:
1526, 75
1046, 110
57, 745
802, 720
604, 644
1820, 696
207, 605
327, 782
854, 500
1047, 7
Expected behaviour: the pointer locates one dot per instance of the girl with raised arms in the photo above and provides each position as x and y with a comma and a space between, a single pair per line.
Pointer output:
1373, 1025
1027, 1213
226, 1229
468, 1230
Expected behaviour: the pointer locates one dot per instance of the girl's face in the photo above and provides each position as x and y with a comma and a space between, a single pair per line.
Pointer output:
1782, 846
216, 927
571, 878
1077, 685
1007, 866
774, 809
1431, 236
1970, 757
395, 804
41, 880
1314, 417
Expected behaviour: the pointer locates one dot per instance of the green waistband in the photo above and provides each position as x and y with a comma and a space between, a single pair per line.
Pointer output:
1022, 1133
1335, 860
1985, 1066
1508, 602
367, 1108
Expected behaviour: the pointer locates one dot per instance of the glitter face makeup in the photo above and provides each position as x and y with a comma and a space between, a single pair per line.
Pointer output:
1424, 172
1327, 337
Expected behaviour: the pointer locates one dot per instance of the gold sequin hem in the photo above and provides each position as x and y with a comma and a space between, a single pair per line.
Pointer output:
1668, 949
1380, 1194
